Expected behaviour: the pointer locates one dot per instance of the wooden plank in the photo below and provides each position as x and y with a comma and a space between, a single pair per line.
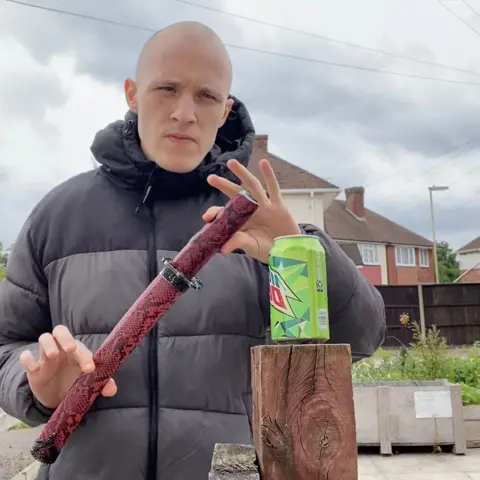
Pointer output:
421, 306
472, 432
303, 412
460, 447
383, 414
471, 412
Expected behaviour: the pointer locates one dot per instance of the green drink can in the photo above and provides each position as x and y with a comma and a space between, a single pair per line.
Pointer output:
298, 289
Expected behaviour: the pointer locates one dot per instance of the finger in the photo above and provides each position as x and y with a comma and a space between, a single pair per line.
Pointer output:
249, 181
110, 389
48, 347
211, 213
64, 339
271, 182
84, 357
73, 347
240, 241
227, 187
28, 362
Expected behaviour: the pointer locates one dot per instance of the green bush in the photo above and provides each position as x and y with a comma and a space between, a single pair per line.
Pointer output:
426, 358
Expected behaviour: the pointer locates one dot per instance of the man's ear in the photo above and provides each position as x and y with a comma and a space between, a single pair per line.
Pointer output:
130, 89
226, 113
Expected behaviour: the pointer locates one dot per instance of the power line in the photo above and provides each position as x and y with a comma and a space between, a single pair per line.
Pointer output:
80, 15
328, 39
467, 173
470, 200
413, 210
471, 8
444, 153
458, 17
353, 67
251, 49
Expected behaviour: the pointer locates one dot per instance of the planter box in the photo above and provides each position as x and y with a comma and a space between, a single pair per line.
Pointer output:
471, 416
409, 413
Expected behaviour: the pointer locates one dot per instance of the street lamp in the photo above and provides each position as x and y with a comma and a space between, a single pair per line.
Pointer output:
435, 188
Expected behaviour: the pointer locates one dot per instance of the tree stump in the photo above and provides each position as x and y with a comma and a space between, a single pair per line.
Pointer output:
303, 412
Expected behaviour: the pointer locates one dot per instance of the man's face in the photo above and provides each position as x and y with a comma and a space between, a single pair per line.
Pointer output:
181, 101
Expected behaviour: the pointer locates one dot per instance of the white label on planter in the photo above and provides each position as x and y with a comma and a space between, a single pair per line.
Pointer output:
433, 404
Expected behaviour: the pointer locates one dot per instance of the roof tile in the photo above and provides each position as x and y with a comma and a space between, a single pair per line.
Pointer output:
353, 252
374, 228
339, 223
473, 245
289, 176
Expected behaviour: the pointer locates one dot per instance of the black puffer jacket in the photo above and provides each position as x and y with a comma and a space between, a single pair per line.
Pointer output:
85, 254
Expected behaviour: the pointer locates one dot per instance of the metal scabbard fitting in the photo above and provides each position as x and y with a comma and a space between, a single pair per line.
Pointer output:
177, 278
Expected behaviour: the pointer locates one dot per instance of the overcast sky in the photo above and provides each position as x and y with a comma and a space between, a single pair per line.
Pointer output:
61, 80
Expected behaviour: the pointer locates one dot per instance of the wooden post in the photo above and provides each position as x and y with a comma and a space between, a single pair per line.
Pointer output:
421, 307
303, 412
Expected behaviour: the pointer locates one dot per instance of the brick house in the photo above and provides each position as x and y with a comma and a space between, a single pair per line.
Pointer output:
469, 260
386, 252
306, 195
392, 254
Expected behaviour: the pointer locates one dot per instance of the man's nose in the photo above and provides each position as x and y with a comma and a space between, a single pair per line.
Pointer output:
184, 109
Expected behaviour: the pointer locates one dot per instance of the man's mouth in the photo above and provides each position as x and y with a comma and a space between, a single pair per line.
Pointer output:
180, 137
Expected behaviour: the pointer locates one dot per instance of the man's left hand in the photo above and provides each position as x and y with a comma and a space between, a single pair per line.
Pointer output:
272, 218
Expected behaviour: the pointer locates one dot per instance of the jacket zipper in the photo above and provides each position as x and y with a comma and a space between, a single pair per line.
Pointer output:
152, 454
152, 356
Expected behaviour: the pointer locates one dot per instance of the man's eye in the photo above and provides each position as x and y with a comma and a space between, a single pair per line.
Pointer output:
166, 89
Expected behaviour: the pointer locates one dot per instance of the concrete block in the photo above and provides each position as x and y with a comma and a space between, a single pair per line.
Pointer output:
28, 473
234, 462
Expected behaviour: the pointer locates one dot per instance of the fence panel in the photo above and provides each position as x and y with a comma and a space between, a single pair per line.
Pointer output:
453, 308
399, 300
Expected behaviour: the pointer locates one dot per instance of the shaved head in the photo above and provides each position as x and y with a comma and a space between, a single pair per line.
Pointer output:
181, 94
187, 32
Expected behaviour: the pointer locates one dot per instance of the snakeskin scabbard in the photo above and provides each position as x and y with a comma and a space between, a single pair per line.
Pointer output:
176, 277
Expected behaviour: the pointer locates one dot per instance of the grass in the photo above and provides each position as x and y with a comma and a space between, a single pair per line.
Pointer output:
426, 358
18, 426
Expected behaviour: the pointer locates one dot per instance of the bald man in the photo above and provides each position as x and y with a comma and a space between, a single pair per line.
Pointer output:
94, 243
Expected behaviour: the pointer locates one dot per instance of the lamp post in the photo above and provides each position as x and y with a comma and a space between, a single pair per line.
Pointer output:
432, 189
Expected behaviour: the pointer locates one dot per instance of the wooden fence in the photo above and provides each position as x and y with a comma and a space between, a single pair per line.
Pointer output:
454, 308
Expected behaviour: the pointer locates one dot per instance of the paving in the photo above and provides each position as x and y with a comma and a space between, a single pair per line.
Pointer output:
408, 466
15, 456
15, 451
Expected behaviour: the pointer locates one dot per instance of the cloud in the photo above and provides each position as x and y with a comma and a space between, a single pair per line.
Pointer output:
349, 126
31, 162
27, 87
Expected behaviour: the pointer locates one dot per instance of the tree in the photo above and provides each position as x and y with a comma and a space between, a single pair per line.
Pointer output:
448, 266
3, 260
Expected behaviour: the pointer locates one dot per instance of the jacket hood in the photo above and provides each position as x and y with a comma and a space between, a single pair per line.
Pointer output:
117, 149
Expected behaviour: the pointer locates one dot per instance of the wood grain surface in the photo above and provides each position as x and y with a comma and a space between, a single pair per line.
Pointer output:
303, 412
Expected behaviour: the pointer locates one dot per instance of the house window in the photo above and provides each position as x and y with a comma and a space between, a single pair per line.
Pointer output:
369, 253
405, 256
423, 254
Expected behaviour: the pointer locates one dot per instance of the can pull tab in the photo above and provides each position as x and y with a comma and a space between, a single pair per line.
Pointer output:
176, 278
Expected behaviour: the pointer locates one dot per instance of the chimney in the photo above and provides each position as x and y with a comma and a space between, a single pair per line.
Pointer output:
261, 143
356, 201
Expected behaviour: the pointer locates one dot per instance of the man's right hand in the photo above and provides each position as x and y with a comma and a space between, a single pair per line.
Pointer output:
62, 360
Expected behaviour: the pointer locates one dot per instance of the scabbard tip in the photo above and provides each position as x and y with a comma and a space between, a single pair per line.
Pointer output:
45, 451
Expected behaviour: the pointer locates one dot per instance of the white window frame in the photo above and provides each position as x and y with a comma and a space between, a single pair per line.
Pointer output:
423, 255
410, 253
370, 253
